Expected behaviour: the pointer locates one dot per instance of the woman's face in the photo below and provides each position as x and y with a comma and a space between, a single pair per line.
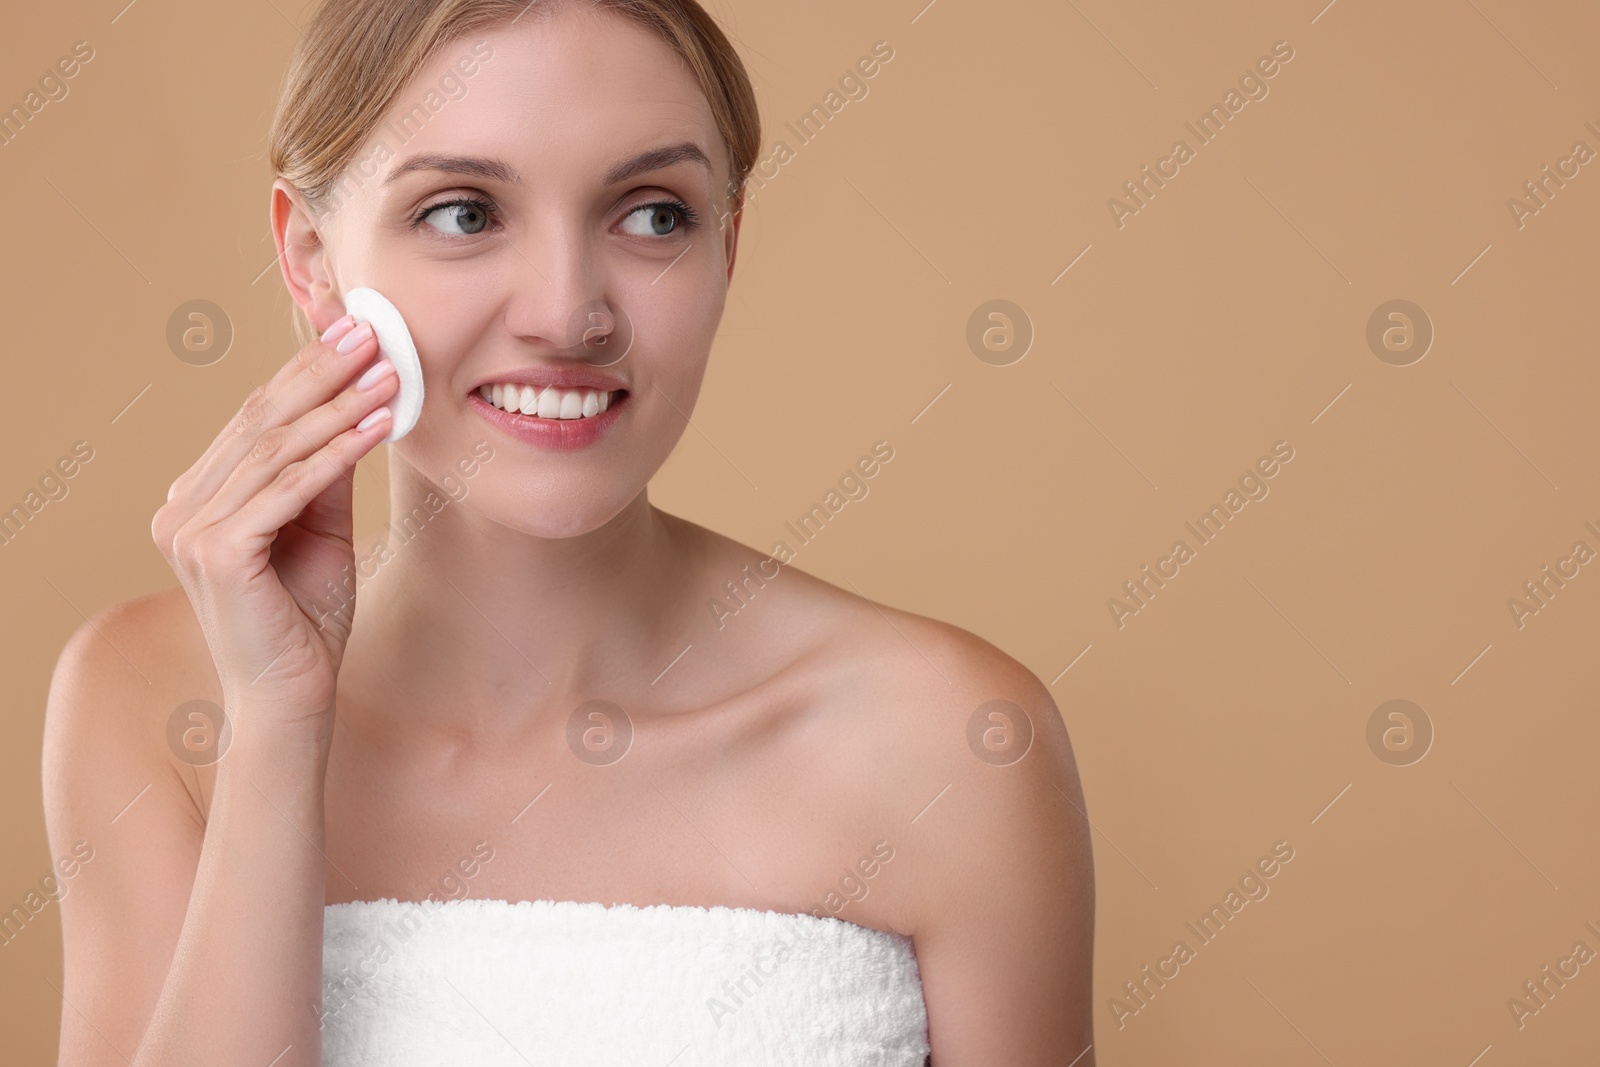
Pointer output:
533, 253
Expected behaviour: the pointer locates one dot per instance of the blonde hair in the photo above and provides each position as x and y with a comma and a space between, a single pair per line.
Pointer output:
355, 57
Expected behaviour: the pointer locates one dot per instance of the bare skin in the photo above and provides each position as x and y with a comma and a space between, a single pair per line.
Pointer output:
765, 762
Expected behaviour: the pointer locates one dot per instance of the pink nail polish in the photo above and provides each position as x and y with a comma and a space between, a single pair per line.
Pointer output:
373, 418
355, 337
375, 374
337, 330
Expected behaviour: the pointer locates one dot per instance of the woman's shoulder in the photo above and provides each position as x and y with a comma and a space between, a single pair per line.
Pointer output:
931, 688
924, 726
912, 667
954, 753
123, 679
836, 628
804, 605
149, 646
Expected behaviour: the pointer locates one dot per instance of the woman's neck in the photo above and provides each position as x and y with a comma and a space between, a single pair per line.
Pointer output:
466, 620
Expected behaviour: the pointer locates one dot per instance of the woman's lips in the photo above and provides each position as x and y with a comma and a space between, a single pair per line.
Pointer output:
555, 435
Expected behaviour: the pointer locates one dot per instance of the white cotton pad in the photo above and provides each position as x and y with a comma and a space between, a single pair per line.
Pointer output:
394, 344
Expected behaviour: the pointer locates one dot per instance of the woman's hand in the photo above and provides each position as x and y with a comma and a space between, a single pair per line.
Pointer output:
258, 531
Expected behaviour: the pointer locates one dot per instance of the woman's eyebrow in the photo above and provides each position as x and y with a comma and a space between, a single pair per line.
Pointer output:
658, 159
499, 170
477, 166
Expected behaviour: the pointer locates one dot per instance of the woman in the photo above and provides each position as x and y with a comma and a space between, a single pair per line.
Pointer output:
537, 801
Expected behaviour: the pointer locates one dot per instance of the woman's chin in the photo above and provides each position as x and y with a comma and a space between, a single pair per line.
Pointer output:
552, 514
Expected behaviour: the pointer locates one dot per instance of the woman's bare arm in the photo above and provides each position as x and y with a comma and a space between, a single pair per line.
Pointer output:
183, 943
106, 785
193, 944
999, 867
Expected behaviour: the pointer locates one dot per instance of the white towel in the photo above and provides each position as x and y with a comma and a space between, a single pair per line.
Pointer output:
577, 984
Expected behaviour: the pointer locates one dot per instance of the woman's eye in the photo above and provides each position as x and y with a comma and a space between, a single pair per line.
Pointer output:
467, 216
658, 220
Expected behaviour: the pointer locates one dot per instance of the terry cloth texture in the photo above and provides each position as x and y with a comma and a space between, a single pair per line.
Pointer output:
492, 983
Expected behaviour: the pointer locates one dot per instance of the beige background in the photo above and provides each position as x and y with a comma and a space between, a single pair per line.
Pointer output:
1230, 313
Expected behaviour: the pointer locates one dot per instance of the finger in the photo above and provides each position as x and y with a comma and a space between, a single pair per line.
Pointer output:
282, 446
254, 526
316, 373
330, 513
252, 415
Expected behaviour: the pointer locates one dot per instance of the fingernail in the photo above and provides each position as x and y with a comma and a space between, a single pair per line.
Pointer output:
373, 418
338, 329
355, 337
375, 374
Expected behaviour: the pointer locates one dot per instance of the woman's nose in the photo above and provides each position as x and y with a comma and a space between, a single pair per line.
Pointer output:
558, 291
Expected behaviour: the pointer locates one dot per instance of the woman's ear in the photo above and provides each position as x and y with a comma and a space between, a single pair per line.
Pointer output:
304, 257
730, 230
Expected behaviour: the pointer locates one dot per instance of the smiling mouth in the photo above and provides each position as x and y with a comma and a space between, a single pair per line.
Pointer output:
550, 402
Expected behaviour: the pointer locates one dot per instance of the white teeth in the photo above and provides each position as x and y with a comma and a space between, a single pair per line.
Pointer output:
549, 403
